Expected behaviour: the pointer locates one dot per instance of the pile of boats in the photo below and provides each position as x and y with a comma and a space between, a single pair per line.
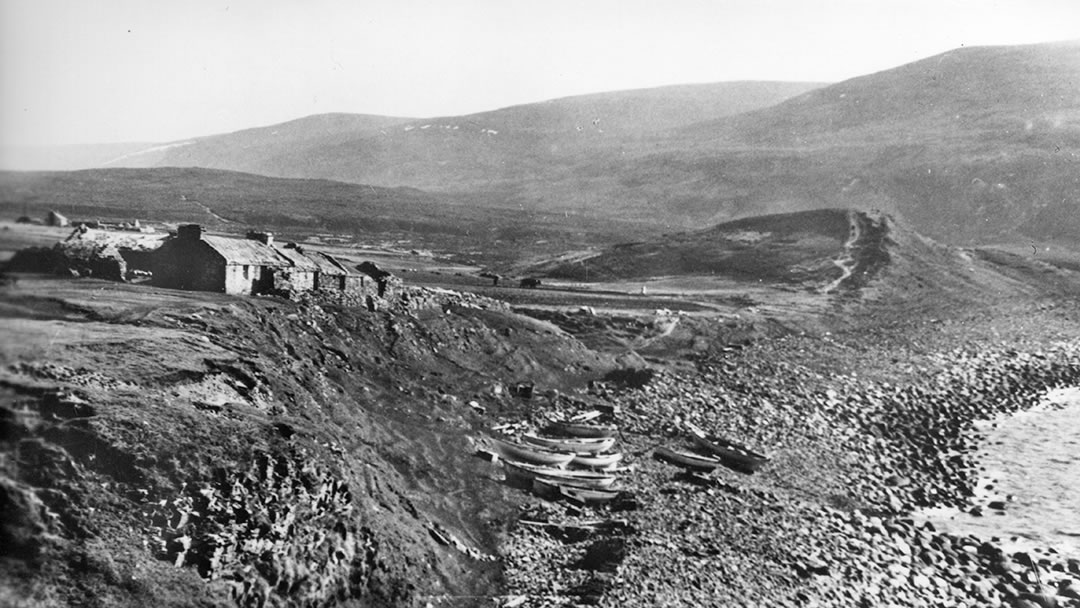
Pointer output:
572, 459
710, 452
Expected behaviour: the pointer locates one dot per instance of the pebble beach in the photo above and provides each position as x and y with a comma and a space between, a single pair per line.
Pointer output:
839, 516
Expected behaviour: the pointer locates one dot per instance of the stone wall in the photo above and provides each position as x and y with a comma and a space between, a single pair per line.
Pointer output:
192, 265
293, 280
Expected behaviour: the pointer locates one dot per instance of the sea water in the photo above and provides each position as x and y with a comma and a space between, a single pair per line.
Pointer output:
1030, 461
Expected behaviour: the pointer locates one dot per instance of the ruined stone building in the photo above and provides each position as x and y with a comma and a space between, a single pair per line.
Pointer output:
388, 286
87, 252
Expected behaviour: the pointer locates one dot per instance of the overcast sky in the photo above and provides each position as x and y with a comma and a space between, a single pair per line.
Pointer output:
81, 71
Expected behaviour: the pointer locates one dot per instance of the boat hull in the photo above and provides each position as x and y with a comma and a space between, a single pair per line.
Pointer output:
731, 454
686, 459
585, 479
577, 429
580, 445
588, 496
598, 461
534, 455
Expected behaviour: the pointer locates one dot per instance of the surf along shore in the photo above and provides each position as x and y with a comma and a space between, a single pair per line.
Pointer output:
1029, 469
863, 434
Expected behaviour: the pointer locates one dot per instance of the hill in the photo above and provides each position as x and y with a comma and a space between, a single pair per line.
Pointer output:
472, 151
824, 251
973, 146
977, 145
784, 248
1016, 93
246, 150
237, 151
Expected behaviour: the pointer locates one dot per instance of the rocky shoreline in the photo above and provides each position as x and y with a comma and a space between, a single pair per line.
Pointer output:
829, 522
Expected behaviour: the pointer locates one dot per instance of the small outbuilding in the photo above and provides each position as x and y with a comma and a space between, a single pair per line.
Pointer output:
55, 219
302, 275
335, 276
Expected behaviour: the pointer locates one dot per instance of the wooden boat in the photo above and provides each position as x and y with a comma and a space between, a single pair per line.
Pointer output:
584, 479
588, 496
509, 450
553, 490
730, 453
597, 461
577, 445
581, 429
686, 459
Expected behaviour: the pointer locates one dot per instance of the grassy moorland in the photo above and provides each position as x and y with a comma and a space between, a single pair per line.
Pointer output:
298, 208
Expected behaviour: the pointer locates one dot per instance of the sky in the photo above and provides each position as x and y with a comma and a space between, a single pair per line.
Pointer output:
106, 71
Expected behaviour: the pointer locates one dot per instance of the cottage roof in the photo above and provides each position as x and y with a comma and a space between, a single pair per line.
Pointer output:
299, 260
328, 264
244, 251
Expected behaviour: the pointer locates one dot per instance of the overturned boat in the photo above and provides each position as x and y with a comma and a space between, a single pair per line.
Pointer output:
588, 496
580, 495
577, 445
686, 459
730, 453
521, 471
582, 429
597, 461
509, 450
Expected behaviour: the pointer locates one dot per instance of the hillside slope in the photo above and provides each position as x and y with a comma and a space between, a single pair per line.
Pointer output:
246, 150
473, 151
972, 146
1022, 94
976, 145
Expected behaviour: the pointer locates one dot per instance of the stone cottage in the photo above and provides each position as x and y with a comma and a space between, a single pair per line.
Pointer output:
255, 265
202, 262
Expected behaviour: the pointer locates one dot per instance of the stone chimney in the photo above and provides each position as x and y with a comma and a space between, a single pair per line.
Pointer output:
189, 232
266, 238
